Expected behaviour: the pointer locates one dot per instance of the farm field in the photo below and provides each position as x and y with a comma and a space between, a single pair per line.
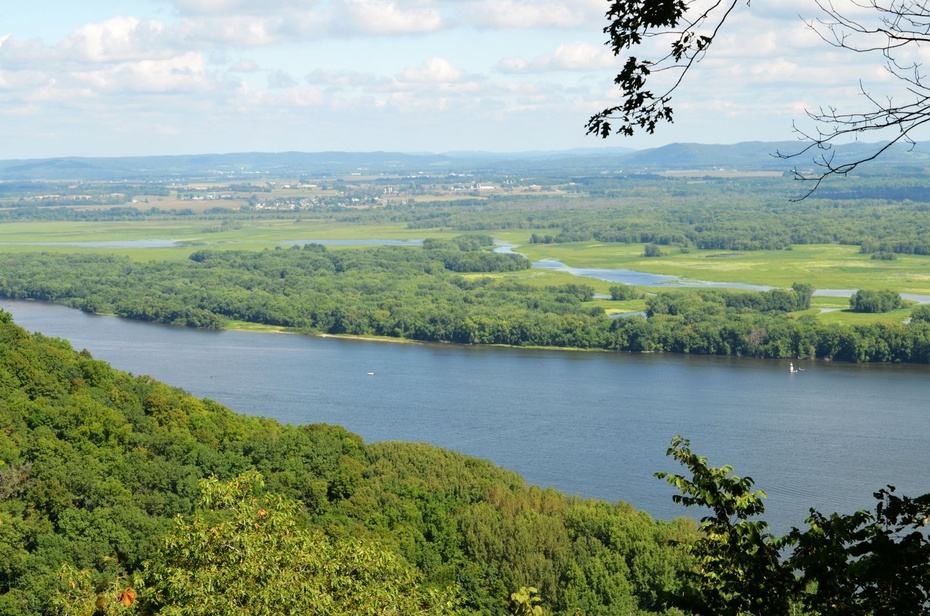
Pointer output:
212, 231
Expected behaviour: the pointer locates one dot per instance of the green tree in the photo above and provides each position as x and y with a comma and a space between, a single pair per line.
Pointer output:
921, 314
738, 567
875, 301
860, 564
622, 292
247, 552
526, 602
77, 595
868, 562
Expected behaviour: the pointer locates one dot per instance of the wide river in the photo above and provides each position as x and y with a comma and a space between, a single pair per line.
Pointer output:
594, 424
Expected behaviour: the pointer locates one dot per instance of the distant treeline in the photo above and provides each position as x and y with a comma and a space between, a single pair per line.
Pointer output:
419, 294
882, 214
715, 214
56, 212
903, 229
704, 323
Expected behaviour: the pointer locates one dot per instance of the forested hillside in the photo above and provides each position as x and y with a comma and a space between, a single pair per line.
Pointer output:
121, 495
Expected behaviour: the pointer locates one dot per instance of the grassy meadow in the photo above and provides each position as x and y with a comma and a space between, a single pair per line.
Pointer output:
194, 234
825, 266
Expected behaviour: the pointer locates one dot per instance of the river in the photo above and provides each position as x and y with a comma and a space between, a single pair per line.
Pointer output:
593, 424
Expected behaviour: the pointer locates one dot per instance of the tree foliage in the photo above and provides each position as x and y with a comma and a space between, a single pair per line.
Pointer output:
867, 563
866, 300
737, 561
248, 552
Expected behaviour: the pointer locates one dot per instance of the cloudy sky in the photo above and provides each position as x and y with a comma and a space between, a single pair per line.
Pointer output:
117, 77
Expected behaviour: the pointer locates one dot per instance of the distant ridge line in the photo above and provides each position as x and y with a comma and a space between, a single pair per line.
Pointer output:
749, 155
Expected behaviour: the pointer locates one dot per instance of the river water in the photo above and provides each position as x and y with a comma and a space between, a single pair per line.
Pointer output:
593, 424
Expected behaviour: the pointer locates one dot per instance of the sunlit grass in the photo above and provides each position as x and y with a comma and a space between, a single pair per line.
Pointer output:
825, 266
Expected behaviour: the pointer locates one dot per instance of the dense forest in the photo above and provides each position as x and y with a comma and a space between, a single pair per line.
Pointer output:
96, 466
444, 292
120, 495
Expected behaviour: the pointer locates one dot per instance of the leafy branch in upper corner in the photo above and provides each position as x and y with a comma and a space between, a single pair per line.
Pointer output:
662, 38
683, 29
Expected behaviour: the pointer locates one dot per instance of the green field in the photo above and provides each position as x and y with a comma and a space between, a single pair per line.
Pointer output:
196, 234
825, 266
836, 310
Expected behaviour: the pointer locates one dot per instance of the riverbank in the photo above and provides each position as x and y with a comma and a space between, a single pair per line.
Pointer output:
246, 326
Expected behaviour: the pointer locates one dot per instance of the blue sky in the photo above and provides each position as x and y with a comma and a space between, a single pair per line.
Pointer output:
101, 77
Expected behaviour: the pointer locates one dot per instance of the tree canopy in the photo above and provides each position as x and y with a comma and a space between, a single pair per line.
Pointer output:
864, 563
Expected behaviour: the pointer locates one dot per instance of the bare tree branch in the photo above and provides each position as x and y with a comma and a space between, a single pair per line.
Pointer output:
894, 30
891, 28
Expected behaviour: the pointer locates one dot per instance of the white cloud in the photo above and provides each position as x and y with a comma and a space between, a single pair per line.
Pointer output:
184, 73
567, 57
236, 31
278, 79
519, 14
114, 40
245, 66
388, 17
119, 39
249, 7
434, 70
294, 99
345, 79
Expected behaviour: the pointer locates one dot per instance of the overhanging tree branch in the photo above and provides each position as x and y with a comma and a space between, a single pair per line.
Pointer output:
692, 26
896, 29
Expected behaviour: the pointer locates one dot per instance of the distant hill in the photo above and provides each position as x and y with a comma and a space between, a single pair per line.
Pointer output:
212, 165
761, 155
751, 155
297, 163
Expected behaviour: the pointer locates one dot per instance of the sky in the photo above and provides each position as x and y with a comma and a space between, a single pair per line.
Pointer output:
131, 77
